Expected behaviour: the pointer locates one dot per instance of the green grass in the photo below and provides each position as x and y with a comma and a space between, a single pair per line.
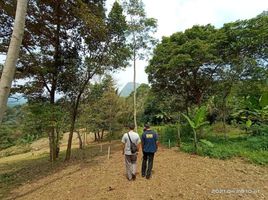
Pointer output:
254, 149
14, 150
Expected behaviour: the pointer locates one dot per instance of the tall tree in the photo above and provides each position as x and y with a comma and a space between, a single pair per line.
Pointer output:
12, 55
102, 108
140, 30
56, 32
106, 52
185, 64
242, 47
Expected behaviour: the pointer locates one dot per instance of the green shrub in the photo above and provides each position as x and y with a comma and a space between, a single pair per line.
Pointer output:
257, 143
6, 136
167, 133
187, 147
258, 157
28, 138
253, 149
186, 131
261, 129
170, 132
206, 143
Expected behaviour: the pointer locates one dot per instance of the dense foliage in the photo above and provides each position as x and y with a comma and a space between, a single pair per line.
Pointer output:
199, 79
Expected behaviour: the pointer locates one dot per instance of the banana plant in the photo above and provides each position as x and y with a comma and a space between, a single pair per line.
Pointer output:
258, 112
197, 122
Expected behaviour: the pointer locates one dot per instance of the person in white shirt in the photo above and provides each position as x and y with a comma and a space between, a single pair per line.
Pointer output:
130, 156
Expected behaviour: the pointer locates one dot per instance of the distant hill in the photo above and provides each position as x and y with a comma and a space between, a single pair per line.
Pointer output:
127, 89
264, 13
16, 100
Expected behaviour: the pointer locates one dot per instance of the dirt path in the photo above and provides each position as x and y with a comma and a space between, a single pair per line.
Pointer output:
176, 176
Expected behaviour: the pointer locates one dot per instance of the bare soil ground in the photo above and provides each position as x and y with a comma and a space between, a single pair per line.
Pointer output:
176, 175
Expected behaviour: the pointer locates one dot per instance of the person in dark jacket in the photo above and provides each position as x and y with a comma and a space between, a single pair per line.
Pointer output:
149, 143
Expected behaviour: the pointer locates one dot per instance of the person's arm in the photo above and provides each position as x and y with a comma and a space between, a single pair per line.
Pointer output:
138, 143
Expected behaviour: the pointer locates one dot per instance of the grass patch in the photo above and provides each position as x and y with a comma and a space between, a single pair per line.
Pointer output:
14, 150
254, 149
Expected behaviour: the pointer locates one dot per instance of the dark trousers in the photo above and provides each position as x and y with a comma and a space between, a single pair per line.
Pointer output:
147, 164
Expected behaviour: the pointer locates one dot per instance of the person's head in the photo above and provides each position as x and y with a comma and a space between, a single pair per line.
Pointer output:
131, 126
146, 126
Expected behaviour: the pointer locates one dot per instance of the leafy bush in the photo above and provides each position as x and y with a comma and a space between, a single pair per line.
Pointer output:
259, 129
219, 152
206, 143
6, 136
257, 143
28, 138
258, 157
187, 147
10, 128
167, 133
170, 132
251, 148
186, 131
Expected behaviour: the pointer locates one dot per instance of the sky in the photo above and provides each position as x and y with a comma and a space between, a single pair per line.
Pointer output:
178, 15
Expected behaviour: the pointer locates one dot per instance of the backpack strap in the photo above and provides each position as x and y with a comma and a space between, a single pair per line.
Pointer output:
129, 138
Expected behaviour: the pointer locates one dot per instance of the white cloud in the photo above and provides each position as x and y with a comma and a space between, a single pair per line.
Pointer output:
178, 15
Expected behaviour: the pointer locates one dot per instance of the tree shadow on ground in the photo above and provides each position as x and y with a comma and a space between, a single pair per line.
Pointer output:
32, 169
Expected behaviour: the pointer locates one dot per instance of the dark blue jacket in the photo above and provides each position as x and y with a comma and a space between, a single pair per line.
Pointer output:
149, 139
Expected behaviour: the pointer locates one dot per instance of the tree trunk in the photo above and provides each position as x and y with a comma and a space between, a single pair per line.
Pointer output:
75, 106
134, 96
102, 133
179, 136
52, 145
95, 134
186, 103
12, 55
85, 136
54, 148
57, 143
224, 117
195, 141
80, 140
70, 139
224, 125
98, 135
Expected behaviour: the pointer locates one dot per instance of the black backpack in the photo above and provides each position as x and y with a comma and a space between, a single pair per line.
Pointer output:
133, 147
